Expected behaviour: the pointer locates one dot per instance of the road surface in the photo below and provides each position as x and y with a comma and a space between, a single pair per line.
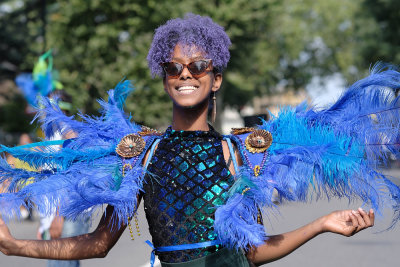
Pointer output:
366, 249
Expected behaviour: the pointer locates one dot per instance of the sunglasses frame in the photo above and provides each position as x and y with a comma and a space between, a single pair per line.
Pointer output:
208, 61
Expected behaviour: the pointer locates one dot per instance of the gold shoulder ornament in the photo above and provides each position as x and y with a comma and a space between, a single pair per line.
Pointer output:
130, 146
243, 130
149, 131
258, 141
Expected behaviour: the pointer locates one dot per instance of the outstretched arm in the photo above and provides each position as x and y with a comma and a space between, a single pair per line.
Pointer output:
345, 222
94, 245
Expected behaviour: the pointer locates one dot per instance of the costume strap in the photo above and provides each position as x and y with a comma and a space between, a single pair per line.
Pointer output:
179, 247
232, 152
153, 147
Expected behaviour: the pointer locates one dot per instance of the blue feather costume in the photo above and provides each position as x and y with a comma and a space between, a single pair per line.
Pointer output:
332, 152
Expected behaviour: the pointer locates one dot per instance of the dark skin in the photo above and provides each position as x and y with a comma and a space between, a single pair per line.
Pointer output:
343, 222
190, 97
94, 245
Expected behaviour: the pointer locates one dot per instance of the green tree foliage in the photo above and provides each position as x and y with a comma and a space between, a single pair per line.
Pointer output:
379, 30
21, 42
97, 43
21, 36
288, 42
315, 38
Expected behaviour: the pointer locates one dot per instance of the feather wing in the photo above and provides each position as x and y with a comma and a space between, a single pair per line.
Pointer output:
85, 172
331, 152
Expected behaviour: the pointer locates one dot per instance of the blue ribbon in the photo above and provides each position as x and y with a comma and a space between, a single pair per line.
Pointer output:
152, 256
179, 247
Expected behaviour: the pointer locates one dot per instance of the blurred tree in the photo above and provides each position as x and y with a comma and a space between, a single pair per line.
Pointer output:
21, 35
316, 38
14, 119
275, 42
97, 43
286, 42
21, 42
379, 30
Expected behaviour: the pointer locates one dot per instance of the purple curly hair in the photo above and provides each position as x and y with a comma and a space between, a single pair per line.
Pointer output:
192, 30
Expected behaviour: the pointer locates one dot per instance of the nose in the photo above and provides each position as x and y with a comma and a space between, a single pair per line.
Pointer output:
185, 74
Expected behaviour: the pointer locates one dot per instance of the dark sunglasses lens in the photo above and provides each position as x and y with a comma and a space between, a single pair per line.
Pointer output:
172, 68
198, 67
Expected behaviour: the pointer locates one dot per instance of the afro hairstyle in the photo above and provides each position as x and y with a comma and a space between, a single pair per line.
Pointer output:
192, 30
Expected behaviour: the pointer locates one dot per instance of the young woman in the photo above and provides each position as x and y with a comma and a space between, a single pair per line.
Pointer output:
202, 191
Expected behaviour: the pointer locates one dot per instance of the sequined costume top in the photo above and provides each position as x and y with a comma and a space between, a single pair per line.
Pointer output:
188, 179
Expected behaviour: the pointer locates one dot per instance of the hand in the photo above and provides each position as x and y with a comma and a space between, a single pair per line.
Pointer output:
56, 227
5, 237
348, 222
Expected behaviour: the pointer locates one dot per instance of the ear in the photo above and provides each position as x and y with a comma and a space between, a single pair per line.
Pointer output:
217, 82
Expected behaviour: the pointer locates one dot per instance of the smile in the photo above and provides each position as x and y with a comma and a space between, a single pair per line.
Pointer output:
186, 89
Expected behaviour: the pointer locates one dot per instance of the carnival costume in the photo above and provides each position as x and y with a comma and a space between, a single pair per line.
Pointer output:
192, 201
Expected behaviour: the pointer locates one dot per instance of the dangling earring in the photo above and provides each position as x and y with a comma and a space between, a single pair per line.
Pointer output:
214, 110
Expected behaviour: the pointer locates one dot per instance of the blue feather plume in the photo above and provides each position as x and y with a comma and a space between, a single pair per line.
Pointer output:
334, 152
85, 172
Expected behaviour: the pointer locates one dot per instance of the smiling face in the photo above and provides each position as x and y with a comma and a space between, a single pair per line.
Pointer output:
187, 90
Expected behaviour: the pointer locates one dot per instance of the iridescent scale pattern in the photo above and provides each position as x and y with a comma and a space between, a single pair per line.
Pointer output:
187, 179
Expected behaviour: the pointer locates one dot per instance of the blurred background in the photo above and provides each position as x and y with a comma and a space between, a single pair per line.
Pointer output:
283, 52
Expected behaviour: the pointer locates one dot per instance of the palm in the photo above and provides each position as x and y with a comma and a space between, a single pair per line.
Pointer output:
347, 222
340, 222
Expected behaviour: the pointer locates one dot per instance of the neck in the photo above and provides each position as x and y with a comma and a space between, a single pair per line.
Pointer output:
190, 119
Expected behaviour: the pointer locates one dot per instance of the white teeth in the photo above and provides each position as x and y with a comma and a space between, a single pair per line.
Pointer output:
184, 88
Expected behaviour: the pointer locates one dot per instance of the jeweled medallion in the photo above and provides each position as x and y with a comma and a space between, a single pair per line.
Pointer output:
130, 146
258, 141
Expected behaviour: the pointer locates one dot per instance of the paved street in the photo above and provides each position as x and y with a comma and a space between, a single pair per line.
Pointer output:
366, 249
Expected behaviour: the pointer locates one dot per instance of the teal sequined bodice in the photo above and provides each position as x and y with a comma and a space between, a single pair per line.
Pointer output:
187, 180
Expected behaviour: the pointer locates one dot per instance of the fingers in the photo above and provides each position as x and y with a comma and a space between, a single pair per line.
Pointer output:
354, 221
371, 215
361, 219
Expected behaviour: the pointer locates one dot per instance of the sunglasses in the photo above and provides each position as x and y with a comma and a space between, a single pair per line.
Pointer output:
197, 68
